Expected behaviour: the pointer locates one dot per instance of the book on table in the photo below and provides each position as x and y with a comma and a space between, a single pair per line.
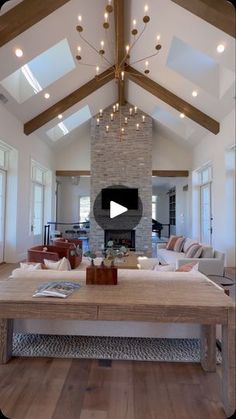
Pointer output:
60, 289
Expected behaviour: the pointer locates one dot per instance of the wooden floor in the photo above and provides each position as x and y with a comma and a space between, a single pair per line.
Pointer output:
84, 389
90, 389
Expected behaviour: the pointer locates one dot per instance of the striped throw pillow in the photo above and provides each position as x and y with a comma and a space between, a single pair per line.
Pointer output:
179, 244
171, 242
194, 251
188, 267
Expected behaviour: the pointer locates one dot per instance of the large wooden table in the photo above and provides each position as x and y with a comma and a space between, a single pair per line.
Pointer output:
138, 297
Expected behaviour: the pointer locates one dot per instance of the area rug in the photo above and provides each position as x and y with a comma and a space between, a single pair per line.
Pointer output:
115, 348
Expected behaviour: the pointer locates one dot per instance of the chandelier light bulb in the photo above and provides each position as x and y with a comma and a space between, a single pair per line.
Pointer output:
98, 122
194, 93
137, 127
97, 70
19, 52
60, 116
112, 117
80, 18
106, 17
100, 112
134, 23
46, 95
126, 120
131, 111
107, 128
135, 109
114, 108
146, 64
146, 8
158, 37
122, 130
127, 49
143, 118
79, 48
102, 44
117, 106
182, 115
122, 75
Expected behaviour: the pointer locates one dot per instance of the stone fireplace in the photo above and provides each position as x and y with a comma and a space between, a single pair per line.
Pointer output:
127, 162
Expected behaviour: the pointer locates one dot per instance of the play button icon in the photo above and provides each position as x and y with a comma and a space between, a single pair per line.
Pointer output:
116, 209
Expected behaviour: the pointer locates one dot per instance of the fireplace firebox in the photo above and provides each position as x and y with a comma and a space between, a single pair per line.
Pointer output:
120, 238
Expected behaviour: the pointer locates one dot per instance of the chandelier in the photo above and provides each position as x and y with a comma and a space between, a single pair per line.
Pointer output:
121, 63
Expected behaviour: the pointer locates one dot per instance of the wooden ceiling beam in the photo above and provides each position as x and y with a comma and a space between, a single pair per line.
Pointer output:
120, 43
160, 173
171, 99
24, 15
69, 101
218, 13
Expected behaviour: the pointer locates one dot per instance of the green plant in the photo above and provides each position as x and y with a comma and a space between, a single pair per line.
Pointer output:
90, 255
111, 253
76, 251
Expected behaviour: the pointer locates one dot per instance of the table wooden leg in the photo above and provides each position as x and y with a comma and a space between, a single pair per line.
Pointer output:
208, 347
228, 365
6, 332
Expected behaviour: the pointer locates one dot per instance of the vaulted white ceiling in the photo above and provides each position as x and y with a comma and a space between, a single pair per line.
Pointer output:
187, 61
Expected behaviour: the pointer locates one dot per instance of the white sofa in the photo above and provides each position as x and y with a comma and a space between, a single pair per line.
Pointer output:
211, 262
107, 328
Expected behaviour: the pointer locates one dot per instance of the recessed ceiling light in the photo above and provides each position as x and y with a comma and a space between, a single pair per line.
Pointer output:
158, 37
194, 93
60, 116
46, 95
220, 48
19, 52
182, 115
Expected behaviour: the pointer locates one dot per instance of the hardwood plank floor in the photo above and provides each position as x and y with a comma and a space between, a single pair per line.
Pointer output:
42, 388
83, 389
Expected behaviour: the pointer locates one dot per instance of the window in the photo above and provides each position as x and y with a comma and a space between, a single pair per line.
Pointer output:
154, 207
84, 208
205, 178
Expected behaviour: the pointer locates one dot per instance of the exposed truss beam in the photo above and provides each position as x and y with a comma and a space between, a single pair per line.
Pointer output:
219, 13
24, 15
69, 101
171, 99
120, 43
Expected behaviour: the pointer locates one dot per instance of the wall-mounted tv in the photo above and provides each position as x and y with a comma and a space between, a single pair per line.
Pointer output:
128, 197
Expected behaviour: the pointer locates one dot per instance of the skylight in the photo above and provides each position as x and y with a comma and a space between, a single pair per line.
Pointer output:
194, 65
69, 124
40, 72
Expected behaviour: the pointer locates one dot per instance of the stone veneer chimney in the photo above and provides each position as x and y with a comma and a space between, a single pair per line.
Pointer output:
127, 162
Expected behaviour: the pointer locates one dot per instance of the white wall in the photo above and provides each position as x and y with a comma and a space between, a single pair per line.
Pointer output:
214, 149
76, 155
168, 155
18, 237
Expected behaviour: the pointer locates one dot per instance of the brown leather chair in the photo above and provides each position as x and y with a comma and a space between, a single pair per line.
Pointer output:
55, 253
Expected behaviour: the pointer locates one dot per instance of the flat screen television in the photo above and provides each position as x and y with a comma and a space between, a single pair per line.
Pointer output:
128, 197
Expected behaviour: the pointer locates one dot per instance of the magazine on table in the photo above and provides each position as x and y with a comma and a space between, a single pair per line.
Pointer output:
60, 289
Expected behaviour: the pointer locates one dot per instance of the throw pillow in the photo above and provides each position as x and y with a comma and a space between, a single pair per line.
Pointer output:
194, 251
30, 266
188, 267
164, 268
207, 252
171, 242
188, 242
60, 265
178, 247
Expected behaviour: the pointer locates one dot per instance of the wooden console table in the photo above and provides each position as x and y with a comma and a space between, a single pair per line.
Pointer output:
136, 298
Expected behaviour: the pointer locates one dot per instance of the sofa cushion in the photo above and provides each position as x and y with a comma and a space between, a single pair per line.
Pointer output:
30, 266
171, 242
61, 265
188, 267
169, 256
164, 268
207, 252
194, 251
178, 247
188, 242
